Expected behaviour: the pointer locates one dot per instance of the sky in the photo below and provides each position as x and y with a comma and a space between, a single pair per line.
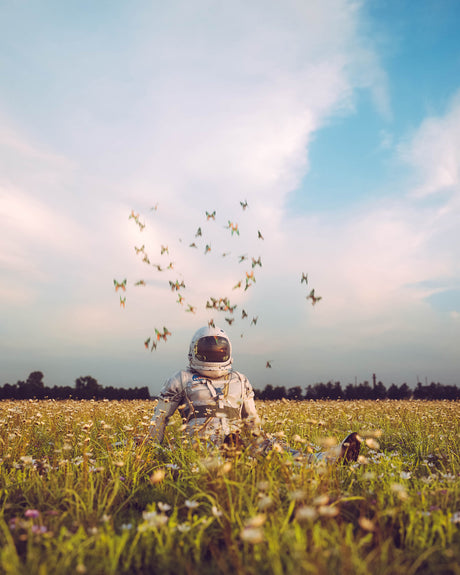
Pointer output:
337, 121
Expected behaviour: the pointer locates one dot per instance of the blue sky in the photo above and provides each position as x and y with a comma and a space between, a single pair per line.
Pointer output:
337, 121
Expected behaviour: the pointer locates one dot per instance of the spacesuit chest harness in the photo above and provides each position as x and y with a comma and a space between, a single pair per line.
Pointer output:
219, 398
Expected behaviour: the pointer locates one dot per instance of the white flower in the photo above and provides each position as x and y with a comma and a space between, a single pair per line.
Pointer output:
306, 513
252, 535
265, 502
216, 512
456, 517
191, 504
256, 521
366, 524
126, 526
153, 519
399, 490
372, 443
405, 474
428, 479
448, 476
321, 500
328, 511
163, 506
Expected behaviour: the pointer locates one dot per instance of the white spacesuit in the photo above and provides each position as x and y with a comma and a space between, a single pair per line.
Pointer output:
214, 399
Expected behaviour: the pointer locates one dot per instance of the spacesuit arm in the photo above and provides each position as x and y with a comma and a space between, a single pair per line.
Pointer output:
171, 396
249, 412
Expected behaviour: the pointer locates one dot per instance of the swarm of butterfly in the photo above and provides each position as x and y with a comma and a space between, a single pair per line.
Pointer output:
218, 304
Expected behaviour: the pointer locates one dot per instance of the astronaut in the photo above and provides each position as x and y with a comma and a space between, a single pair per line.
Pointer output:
215, 400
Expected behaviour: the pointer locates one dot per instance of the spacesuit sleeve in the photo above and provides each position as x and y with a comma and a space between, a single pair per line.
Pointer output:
249, 411
171, 396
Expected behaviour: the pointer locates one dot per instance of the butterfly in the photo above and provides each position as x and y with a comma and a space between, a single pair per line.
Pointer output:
243, 314
224, 305
207, 249
259, 235
146, 259
211, 323
313, 298
225, 254
180, 299
304, 278
230, 320
122, 301
233, 227
191, 309
138, 250
136, 219
147, 343
242, 258
140, 283
268, 364
193, 245
171, 266
120, 285
238, 285
164, 249
212, 303
176, 285
250, 276
256, 262
163, 335
254, 320
244, 204
159, 268
211, 216
154, 208
198, 233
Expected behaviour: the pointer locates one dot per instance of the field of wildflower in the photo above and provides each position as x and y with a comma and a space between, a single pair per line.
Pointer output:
79, 496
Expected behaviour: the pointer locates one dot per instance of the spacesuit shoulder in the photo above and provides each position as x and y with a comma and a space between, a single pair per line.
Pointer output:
176, 383
244, 380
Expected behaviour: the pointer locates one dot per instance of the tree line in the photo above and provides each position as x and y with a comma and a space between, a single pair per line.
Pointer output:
86, 387
334, 390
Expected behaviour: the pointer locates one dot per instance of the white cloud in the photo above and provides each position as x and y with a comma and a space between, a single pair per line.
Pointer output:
434, 152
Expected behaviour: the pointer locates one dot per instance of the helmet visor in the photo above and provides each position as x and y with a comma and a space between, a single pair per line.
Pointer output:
212, 349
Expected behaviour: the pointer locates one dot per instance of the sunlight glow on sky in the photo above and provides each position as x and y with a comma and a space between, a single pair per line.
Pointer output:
338, 121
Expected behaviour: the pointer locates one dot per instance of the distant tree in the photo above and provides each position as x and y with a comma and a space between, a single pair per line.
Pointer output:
88, 388
393, 392
404, 391
279, 392
35, 385
379, 391
294, 393
267, 392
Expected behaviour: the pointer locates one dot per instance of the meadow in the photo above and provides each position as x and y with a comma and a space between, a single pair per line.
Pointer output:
79, 496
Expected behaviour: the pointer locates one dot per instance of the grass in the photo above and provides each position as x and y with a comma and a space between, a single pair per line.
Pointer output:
77, 495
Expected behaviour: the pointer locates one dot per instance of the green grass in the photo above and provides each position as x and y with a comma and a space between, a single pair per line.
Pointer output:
72, 502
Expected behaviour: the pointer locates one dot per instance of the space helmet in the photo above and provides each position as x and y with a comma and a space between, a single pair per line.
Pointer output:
210, 352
